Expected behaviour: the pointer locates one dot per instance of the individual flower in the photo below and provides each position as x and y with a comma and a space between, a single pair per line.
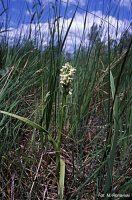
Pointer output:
66, 77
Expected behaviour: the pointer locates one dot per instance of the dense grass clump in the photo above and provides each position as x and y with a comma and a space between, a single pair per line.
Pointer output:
65, 136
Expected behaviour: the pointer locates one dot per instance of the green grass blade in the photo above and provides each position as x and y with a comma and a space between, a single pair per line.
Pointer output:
112, 84
61, 179
25, 120
32, 124
114, 142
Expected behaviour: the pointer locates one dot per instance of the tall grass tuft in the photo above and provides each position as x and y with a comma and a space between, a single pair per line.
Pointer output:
65, 117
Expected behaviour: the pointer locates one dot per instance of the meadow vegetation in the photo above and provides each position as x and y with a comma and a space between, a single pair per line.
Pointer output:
58, 142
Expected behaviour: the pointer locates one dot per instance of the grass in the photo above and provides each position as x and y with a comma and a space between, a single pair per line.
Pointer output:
88, 136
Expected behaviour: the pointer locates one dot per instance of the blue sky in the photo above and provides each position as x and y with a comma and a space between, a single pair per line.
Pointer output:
22, 9
20, 13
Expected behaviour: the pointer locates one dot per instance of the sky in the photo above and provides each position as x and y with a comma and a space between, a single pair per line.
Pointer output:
19, 17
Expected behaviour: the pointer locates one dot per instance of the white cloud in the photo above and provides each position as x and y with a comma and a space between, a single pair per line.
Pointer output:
29, 12
75, 34
126, 3
38, 31
76, 30
75, 2
63, 2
